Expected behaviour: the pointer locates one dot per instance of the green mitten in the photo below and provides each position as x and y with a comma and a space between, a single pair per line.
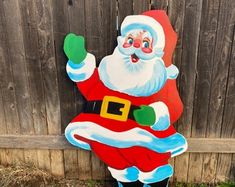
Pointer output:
145, 115
74, 48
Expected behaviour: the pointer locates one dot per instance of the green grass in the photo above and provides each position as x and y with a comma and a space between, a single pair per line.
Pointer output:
227, 184
223, 184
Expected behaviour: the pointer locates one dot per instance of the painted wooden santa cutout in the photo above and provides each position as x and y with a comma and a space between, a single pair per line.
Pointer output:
132, 101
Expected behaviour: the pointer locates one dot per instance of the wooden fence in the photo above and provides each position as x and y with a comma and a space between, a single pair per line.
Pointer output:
37, 100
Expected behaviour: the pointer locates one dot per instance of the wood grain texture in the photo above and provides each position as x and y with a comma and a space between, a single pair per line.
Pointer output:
61, 27
3, 129
29, 17
210, 160
19, 70
176, 11
50, 80
224, 165
159, 5
219, 79
187, 77
16, 83
125, 8
232, 169
33, 81
84, 165
71, 164
139, 6
208, 29
196, 145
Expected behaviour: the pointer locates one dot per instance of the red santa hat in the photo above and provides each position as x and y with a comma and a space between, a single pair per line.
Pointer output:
158, 24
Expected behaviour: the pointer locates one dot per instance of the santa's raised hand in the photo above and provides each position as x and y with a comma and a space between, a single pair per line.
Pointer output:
74, 48
81, 64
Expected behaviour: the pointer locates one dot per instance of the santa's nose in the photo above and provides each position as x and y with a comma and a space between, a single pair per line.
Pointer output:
137, 43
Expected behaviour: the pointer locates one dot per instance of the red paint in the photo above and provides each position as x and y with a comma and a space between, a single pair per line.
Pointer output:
147, 50
134, 58
94, 89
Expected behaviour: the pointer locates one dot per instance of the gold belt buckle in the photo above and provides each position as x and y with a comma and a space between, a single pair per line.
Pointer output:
125, 110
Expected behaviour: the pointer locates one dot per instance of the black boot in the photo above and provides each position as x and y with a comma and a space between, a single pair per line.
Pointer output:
132, 184
162, 183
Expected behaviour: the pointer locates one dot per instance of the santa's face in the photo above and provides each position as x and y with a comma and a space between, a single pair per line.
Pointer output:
137, 44
135, 67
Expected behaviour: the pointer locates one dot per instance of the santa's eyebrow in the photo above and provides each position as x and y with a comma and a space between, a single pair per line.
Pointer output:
146, 38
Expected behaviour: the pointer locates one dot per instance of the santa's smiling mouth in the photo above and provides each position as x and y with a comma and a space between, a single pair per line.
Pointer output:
134, 58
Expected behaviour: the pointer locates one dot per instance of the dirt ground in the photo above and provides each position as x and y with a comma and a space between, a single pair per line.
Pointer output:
30, 176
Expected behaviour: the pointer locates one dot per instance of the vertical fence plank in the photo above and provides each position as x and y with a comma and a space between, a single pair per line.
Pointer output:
3, 60
220, 75
210, 159
139, 6
3, 129
187, 78
176, 11
84, 165
208, 29
228, 131
20, 75
194, 8
159, 4
232, 170
30, 35
50, 80
32, 13
66, 86
125, 8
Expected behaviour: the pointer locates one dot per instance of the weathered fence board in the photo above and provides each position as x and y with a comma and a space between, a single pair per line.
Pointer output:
196, 145
9, 87
37, 99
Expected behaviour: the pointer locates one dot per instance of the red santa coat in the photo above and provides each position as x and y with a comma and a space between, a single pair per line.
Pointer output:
121, 158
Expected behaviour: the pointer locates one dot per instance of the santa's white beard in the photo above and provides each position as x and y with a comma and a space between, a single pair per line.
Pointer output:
143, 78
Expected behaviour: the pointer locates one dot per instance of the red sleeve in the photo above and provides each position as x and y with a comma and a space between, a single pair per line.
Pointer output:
87, 85
171, 98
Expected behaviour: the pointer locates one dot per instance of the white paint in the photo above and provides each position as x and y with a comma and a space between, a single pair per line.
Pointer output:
88, 67
160, 110
149, 21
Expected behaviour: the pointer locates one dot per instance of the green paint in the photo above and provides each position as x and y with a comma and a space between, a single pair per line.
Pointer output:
145, 115
74, 48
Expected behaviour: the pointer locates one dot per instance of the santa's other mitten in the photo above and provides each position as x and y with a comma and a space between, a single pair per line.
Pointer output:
145, 115
74, 48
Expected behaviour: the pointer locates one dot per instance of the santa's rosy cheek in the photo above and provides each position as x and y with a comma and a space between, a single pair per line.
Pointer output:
126, 45
147, 50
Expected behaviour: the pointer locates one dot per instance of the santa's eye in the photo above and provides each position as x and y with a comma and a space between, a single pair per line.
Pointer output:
130, 40
145, 44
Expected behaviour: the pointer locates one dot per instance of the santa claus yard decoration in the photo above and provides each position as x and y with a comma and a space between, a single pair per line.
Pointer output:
132, 101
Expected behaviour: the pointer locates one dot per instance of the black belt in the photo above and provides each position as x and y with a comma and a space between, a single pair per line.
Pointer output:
94, 107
